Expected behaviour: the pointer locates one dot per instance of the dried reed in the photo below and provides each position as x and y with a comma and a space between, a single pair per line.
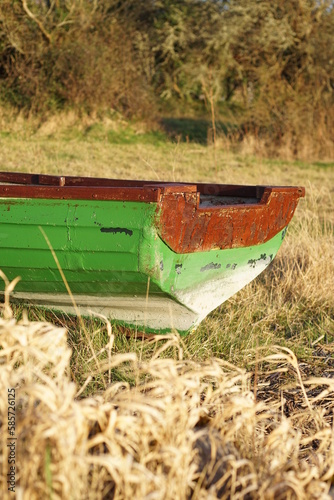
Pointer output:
185, 429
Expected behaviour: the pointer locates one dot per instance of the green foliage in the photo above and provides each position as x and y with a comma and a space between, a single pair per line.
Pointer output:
272, 61
76, 54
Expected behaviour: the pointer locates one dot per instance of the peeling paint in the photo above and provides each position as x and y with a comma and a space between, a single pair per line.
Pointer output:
284, 232
178, 268
168, 231
205, 297
115, 230
188, 227
263, 256
210, 266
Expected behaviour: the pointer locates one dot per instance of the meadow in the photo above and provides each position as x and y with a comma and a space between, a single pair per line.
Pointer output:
241, 408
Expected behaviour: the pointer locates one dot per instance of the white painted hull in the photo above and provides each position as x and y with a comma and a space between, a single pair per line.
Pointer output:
154, 313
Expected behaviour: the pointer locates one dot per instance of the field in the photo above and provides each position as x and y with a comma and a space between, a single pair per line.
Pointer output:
242, 408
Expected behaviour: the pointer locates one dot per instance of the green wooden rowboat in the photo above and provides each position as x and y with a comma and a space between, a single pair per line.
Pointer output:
154, 256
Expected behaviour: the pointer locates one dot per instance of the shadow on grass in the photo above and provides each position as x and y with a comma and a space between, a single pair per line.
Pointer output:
197, 130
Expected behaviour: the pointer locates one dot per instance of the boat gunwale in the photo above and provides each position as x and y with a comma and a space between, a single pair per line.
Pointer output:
27, 185
181, 221
145, 194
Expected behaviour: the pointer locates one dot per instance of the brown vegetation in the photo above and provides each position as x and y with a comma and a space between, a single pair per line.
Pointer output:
264, 69
184, 429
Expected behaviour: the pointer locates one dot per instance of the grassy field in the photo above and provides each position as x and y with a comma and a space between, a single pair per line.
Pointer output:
242, 408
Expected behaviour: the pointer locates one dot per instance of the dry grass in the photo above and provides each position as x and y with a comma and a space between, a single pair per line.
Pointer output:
243, 408
183, 430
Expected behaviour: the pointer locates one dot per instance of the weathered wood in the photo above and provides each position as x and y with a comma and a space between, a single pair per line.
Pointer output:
155, 256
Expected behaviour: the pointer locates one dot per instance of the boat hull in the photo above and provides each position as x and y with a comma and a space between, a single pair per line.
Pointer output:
192, 296
116, 263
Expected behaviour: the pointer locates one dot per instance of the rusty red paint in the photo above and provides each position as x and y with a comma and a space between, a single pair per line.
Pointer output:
55, 180
145, 194
187, 228
182, 222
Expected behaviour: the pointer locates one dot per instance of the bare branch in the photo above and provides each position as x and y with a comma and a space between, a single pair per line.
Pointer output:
52, 4
64, 22
36, 20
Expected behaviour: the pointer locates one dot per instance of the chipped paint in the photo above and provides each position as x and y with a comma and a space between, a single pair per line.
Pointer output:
187, 226
194, 255
178, 268
115, 230
205, 297
210, 266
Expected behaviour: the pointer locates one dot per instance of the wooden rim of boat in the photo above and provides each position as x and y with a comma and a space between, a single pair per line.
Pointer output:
192, 216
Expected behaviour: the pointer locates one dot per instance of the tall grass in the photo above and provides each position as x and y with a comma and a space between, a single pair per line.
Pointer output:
184, 429
223, 132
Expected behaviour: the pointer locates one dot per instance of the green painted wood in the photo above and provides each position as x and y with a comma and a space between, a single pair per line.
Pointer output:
95, 242
184, 271
112, 249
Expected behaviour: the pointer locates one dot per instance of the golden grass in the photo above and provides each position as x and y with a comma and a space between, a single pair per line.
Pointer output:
85, 148
184, 430
243, 408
